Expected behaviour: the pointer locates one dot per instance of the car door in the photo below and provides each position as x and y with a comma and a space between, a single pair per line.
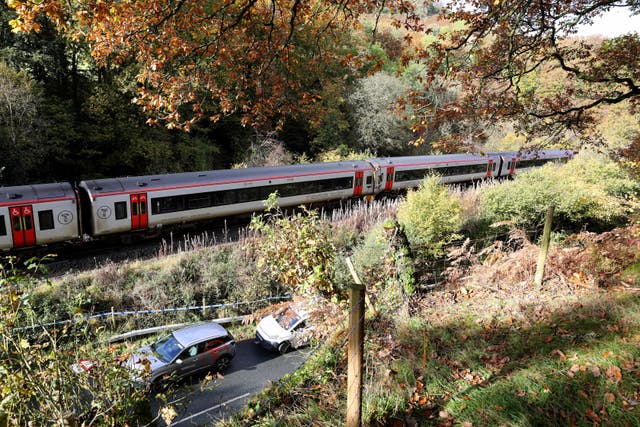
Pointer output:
189, 361
212, 350
300, 334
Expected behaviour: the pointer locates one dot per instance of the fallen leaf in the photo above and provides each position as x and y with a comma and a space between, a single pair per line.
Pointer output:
592, 415
443, 414
609, 397
614, 374
595, 371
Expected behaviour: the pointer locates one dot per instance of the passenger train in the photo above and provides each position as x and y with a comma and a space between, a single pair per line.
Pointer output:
43, 214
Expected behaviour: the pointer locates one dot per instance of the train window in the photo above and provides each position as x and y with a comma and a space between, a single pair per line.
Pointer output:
3, 226
121, 209
46, 220
16, 224
228, 197
27, 222
369, 180
533, 163
198, 201
248, 195
253, 194
418, 174
462, 170
410, 175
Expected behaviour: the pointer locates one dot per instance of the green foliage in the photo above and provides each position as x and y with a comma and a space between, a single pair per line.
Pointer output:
430, 217
342, 152
377, 127
37, 383
589, 190
383, 263
295, 250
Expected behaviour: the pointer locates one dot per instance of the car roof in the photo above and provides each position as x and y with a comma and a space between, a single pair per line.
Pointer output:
197, 333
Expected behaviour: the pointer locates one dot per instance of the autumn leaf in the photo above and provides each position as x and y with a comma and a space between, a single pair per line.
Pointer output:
592, 415
168, 414
614, 374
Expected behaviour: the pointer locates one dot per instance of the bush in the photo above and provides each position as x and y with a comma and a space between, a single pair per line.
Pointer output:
37, 383
294, 250
383, 263
431, 217
589, 190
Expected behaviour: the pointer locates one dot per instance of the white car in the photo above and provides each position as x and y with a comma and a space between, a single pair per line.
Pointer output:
288, 328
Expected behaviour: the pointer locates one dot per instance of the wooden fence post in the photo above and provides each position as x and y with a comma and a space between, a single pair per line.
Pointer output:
354, 353
544, 250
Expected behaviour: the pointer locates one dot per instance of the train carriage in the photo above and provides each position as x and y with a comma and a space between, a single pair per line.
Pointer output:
39, 214
400, 173
137, 203
534, 159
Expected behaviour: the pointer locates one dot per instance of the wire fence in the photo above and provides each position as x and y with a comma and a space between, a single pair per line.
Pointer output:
113, 314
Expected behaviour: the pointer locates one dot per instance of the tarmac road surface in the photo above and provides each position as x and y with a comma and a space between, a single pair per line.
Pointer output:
202, 403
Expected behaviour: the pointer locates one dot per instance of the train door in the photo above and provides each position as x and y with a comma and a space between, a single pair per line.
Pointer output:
139, 216
388, 185
357, 189
23, 231
512, 166
490, 168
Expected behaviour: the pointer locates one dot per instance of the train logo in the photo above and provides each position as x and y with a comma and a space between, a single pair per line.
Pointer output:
104, 212
65, 217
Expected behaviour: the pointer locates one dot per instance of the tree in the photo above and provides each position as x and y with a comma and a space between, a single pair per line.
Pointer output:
18, 106
373, 102
199, 58
504, 50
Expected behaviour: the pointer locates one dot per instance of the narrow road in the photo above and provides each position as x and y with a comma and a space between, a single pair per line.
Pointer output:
252, 370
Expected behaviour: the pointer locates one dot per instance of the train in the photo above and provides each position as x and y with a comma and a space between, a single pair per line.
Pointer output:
46, 214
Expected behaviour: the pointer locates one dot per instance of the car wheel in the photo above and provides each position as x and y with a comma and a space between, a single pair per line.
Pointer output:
222, 363
284, 347
158, 386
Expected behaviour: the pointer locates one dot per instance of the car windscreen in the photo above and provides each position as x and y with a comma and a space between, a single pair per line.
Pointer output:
288, 319
167, 348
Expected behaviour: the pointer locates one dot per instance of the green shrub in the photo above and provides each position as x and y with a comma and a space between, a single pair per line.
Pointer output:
37, 383
431, 217
589, 190
295, 251
384, 265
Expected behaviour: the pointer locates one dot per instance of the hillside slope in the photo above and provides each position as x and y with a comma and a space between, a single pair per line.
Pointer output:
489, 348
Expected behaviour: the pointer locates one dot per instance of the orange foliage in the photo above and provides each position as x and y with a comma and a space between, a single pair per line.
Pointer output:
257, 58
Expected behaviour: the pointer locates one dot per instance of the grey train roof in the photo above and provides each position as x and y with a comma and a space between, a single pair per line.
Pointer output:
36, 192
408, 160
185, 179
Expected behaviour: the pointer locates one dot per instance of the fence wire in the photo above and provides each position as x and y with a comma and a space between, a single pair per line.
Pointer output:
112, 314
